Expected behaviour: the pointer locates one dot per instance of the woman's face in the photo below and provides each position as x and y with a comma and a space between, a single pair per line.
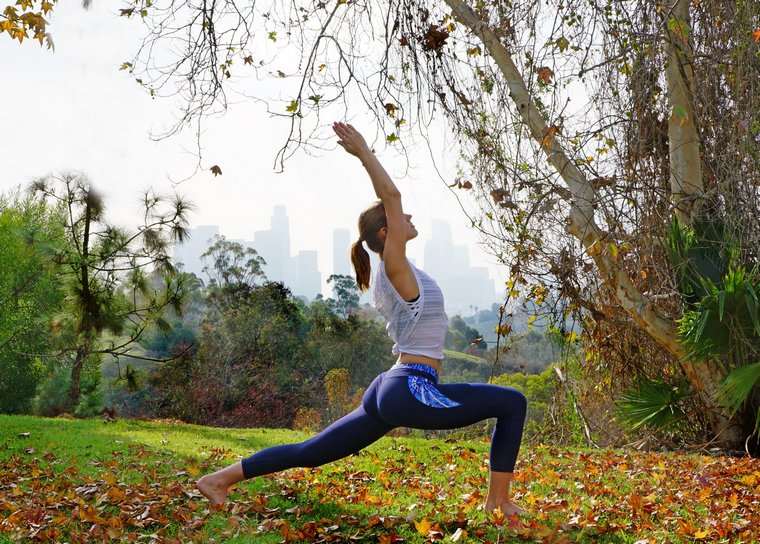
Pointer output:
411, 230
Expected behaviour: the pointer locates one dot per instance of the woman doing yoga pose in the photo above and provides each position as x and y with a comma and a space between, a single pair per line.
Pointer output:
408, 394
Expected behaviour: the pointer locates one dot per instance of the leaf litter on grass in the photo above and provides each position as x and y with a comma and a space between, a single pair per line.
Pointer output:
390, 493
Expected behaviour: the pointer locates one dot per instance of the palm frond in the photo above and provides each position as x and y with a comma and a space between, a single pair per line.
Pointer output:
653, 404
736, 388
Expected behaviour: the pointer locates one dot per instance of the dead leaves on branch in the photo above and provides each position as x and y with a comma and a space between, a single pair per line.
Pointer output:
545, 74
435, 38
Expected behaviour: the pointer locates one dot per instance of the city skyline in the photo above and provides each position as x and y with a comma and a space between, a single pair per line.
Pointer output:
465, 286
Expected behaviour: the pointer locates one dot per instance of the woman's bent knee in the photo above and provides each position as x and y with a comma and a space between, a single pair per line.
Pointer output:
517, 402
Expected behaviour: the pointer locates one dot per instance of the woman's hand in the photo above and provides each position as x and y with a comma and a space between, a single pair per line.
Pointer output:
350, 139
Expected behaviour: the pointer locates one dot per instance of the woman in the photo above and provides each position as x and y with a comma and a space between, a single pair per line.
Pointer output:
408, 394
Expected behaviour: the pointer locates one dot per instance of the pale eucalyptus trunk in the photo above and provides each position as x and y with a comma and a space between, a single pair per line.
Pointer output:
686, 182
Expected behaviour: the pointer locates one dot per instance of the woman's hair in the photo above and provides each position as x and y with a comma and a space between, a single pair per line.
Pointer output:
371, 220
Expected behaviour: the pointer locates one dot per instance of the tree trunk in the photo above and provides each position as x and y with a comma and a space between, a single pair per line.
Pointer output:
686, 183
76, 376
703, 377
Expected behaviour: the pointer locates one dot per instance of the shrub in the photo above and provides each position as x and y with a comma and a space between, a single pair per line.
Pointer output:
18, 382
307, 419
539, 390
53, 392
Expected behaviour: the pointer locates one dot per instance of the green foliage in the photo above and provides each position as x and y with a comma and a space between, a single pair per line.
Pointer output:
653, 403
233, 269
101, 269
698, 254
164, 343
461, 337
726, 317
539, 390
721, 323
29, 295
53, 392
346, 294
358, 345
738, 386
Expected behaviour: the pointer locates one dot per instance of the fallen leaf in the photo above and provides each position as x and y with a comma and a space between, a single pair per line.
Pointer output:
423, 526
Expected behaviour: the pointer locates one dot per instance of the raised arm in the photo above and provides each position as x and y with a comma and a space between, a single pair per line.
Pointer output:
394, 251
353, 142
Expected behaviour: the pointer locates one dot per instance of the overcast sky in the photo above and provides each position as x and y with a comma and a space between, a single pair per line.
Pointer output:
73, 109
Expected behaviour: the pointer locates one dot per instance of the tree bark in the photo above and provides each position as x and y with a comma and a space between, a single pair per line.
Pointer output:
76, 377
703, 377
686, 182
87, 302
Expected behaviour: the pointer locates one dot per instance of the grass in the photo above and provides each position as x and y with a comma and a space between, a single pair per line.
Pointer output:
466, 356
85, 480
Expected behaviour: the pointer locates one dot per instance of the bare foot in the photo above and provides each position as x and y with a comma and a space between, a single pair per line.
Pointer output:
508, 508
215, 493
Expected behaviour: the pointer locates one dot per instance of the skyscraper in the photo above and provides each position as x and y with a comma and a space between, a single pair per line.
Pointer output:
308, 281
341, 252
463, 286
274, 246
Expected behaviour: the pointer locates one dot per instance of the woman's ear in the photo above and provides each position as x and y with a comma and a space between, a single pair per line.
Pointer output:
382, 233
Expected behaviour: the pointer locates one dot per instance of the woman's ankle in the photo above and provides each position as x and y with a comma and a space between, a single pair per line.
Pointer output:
228, 476
499, 487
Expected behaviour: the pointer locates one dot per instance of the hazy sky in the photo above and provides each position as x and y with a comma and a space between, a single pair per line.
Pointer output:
73, 109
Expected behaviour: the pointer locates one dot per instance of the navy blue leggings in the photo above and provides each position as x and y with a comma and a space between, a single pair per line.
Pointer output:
393, 399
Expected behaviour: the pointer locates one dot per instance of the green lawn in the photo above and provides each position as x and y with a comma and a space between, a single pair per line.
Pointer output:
88, 481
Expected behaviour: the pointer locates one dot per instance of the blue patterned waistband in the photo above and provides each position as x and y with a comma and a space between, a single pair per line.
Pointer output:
426, 369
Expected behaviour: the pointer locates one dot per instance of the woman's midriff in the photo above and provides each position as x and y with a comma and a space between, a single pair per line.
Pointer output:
411, 358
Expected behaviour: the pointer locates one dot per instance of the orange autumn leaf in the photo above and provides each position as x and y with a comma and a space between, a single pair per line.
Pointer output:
756, 35
548, 138
545, 74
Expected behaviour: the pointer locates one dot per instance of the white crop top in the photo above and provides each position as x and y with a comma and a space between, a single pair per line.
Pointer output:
418, 327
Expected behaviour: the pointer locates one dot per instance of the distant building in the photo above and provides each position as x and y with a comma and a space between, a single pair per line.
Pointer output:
300, 273
464, 287
274, 246
341, 252
308, 281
